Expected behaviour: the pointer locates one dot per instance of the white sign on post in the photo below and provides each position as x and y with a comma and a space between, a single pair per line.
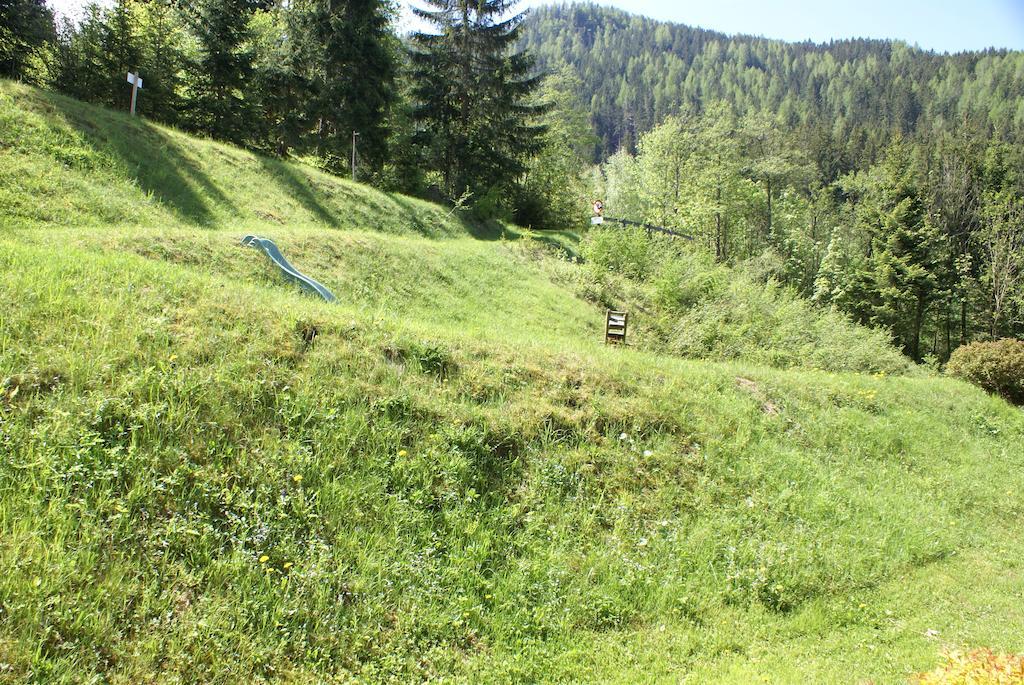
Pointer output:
136, 82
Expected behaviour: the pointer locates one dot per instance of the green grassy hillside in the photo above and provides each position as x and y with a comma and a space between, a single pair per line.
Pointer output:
209, 477
68, 163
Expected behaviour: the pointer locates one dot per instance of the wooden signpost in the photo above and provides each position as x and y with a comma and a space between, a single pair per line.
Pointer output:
615, 327
136, 82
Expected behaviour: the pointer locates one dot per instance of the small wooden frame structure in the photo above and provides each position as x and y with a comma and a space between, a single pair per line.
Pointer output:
615, 327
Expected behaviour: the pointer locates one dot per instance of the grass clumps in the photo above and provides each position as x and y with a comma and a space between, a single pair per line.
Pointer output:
260, 484
998, 367
695, 308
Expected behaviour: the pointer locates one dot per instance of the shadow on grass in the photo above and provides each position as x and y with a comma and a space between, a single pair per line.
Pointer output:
565, 241
172, 175
150, 157
299, 188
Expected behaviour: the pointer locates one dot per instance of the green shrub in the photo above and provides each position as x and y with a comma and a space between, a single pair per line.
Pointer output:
995, 366
688, 280
693, 307
627, 251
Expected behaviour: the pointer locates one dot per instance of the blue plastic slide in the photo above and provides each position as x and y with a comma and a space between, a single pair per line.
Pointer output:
290, 272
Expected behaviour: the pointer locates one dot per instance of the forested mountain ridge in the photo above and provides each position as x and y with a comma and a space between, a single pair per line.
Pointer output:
635, 71
871, 176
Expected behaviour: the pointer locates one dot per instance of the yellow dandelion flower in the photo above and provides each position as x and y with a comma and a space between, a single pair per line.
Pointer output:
264, 559
297, 478
863, 605
403, 453
288, 565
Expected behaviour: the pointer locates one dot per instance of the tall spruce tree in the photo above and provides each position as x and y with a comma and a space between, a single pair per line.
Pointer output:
282, 81
222, 73
472, 91
905, 247
354, 76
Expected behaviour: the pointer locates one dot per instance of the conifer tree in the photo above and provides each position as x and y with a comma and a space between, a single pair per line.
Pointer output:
222, 73
282, 81
905, 250
80, 68
354, 80
472, 91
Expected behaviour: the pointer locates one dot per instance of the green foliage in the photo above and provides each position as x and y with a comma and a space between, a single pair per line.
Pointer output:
26, 27
94, 58
282, 80
998, 367
914, 252
554, 193
695, 308
627, 251
353, 76
1002, 238
472, 90
904, 259
221, 73
855, 93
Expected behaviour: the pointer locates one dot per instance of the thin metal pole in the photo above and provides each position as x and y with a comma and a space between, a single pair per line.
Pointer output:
354, 134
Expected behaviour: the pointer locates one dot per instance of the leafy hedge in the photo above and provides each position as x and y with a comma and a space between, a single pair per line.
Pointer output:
995, 366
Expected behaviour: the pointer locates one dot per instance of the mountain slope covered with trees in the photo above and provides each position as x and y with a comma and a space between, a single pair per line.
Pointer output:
635, 71
870, 176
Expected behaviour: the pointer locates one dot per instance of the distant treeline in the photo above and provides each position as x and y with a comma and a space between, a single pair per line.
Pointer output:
635, 71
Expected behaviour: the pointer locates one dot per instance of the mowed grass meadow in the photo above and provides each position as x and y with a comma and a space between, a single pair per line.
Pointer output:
208, 476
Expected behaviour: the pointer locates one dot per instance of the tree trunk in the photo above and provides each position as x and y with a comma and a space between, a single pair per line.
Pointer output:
915, 334
949, 335
963, 320
719, 247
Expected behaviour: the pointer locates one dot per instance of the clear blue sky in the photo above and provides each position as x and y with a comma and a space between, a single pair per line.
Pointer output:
941, 25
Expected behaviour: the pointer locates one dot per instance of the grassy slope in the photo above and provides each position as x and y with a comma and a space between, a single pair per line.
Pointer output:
95, 167
466, 506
